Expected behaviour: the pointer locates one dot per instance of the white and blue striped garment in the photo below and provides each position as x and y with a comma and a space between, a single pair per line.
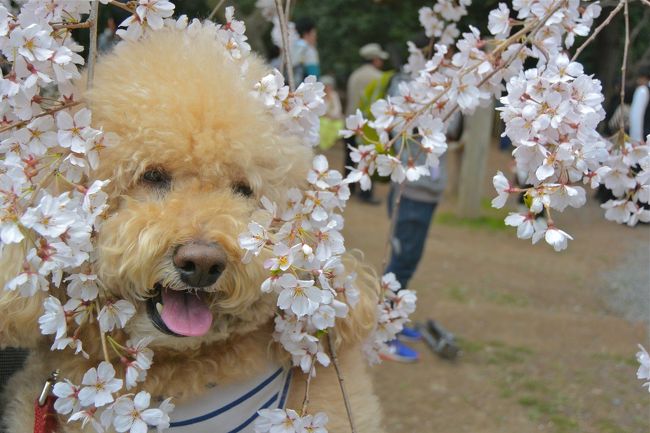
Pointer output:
233, 408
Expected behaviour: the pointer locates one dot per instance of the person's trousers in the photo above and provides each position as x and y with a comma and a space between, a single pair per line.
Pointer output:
409, 236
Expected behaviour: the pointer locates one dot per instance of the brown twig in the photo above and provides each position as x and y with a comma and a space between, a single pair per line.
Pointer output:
102, 335
70, 26
596, 32
215, 10
305, 400
122, 6
92, 49
286, 52
626, 48
344, 392
45, 113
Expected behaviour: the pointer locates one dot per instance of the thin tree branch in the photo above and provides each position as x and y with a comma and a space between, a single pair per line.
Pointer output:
646, 2
92, 50
45, 113
122, 6
84, 25
344, 392
216, 8
625, 51
596, 32
102, 335
284, 30
305, 400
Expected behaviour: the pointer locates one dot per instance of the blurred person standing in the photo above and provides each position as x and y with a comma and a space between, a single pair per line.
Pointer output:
417, 207
108, 38
639, 112
371, 71
304, 53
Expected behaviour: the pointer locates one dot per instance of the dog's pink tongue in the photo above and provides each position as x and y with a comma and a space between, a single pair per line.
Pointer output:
185, 313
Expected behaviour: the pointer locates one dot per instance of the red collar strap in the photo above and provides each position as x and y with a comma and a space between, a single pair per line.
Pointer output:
45, 420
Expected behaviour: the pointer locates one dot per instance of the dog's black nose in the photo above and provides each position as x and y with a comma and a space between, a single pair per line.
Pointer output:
200, 264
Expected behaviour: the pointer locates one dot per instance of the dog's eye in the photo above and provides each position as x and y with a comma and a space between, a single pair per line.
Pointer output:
157, 178
242, 189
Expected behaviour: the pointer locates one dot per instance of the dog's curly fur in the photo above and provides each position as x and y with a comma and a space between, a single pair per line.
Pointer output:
180, 105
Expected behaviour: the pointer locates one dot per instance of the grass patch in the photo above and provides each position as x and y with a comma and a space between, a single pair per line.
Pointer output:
563, 423
540, 408
458, 294
468, 346
609, 426
484, 222
533, 385
510, 299
500, 353
619, 359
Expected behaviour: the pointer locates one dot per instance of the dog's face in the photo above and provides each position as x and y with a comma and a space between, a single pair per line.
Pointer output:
196, 153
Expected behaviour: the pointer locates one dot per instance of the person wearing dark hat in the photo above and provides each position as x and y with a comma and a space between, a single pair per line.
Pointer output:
374, 57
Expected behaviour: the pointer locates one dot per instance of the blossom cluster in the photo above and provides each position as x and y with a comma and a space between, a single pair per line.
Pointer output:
440, 21
94, 403
47, 207
626, 174
551, 112
392, 313
297, 111
303, 239
148, 15
51, 211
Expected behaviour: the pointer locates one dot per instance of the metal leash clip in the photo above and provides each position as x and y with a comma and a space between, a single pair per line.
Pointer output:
47, 387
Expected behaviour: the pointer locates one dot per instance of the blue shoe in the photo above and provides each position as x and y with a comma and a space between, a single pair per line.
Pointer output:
399, 352
410, 334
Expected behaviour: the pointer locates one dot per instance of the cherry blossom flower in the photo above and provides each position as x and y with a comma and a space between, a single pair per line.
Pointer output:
141, 360
525, 224
153, 11
53, 320
354, 125
277, 421
100, 385
115, 314
74, 132
499, 21
555, 237
299, 296
643, 373
503, 188
134, 415
67, 397
87, 416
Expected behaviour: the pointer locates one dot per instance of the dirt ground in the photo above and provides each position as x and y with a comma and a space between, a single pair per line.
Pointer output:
543, 349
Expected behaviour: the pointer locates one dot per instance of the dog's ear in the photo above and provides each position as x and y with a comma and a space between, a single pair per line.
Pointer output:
18, 315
